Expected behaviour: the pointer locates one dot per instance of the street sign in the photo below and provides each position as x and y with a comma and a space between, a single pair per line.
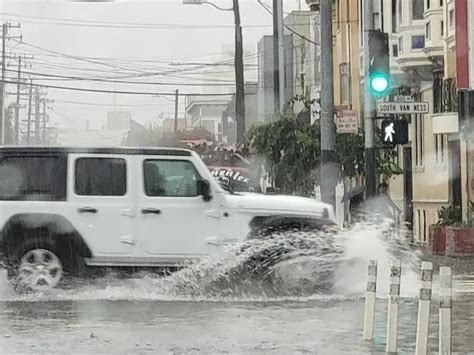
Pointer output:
394, 132
347, 121
402, 107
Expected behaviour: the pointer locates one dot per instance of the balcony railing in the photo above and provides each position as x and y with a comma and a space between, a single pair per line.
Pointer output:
445, 95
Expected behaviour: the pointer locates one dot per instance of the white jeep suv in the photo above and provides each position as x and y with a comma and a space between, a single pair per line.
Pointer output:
65, 208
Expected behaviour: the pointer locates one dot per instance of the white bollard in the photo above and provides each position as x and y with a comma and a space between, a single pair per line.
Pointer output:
369, 315
445, 283
394, 299
424, 303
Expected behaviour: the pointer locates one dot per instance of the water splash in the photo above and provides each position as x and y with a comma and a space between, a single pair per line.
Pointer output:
316, 266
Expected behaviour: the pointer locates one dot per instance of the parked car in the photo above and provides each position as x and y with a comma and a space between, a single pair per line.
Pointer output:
64, 210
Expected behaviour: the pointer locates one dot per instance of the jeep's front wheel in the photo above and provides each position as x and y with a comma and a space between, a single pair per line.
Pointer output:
37, 269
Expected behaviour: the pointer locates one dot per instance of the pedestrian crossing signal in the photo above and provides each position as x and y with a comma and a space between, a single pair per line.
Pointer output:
394, 132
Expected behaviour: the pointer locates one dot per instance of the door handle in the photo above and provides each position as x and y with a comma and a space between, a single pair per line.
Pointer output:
87, 210
151, 211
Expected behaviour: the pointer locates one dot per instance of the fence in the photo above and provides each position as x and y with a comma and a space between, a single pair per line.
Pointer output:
424, 303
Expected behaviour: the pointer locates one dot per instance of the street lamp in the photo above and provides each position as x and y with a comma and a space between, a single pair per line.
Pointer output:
238, 63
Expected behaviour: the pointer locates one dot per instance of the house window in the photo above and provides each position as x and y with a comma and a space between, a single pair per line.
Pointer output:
419, 139
428, 4
417, 9
344, 82
440, 3
418, 214
439, 148
338, 14
418, 42
451, 18
424, 225
428, 30
395, 50
442, 28
400, 44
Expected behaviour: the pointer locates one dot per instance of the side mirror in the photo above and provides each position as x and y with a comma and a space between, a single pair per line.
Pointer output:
225, 183
204, 190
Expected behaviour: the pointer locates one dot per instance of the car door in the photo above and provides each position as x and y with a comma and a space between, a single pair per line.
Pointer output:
174, 220
101, 196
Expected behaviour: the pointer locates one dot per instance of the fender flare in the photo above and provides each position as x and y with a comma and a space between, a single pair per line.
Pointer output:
24, 226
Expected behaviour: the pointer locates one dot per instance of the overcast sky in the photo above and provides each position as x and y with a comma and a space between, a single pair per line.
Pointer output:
127, 39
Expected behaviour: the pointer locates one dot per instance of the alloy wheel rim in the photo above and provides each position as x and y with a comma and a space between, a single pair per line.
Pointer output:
40, 270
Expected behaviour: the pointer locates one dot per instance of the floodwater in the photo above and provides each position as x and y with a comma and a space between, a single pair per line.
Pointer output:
196, 310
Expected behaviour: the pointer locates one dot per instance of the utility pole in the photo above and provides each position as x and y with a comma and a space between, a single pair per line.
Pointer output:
281, 52
276, 60
2, 86
5, 27
37, 117
239, 76
43, 138
176, 110
28, 124
17, 111
369, 105
328, 128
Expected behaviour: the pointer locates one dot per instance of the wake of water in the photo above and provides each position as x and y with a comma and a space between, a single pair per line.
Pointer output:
311, 257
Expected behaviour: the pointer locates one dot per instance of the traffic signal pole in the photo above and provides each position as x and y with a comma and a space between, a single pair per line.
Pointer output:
329, 171
369, 106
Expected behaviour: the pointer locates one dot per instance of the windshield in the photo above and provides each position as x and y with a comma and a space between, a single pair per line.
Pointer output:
236, 176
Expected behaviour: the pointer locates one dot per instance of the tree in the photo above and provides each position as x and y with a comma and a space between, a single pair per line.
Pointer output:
291, 150
290, 147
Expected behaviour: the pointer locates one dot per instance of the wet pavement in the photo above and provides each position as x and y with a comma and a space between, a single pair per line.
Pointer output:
180, 314
282, 327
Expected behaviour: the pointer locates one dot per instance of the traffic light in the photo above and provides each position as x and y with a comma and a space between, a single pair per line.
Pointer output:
394, 132
379, 64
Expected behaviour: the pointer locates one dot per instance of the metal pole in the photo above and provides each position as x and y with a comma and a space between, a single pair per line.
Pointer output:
281, 55
239, 76
2, 86
176, 110
445, 309
423, 324
394, 299
328, 128
28, 126
369, 314
37, 117
17, 112
369, 105
43, 138
276, 60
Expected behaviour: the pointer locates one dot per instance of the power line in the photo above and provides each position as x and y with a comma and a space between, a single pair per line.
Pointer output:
287, 27
58, 77
106, 104
120, 91
121, 25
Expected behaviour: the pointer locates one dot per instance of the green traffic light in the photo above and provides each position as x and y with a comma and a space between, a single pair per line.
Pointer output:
379, 84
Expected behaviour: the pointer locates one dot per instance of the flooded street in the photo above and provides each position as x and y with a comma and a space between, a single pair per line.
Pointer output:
186, 313
280, 327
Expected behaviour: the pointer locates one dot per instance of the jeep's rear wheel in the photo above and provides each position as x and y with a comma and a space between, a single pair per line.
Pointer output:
39, 270
36, 266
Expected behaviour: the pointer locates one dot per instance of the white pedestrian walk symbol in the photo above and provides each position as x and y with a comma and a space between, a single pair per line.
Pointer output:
389, 132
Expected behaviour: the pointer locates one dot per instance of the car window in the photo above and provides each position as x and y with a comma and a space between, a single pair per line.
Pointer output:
170, 178
100, 177
33, 178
